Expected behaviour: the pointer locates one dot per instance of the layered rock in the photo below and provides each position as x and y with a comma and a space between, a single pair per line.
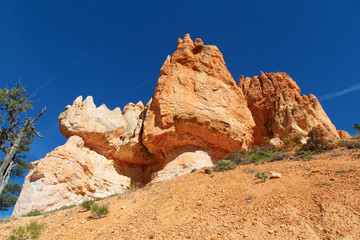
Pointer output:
113, 134
197, 105
68, 175
279, 110
196, 116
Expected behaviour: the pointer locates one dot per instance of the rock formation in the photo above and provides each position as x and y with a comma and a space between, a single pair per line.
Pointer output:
197, 105
197, 115
279, 110
68, 175
343, 134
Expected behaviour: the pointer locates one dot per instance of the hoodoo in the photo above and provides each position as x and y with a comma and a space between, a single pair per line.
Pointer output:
197, 115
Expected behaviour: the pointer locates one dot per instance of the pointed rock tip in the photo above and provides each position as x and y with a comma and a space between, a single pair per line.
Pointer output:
140, 104
187, 39
198, 41
78, 100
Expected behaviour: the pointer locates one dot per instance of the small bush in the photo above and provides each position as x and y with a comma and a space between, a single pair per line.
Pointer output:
341, 171
316, 141
262, 175
224, 165
304, 155
349, 144
33, 214
193, 170
87, 204
99, 211
238, 157
258, 155
293, 140
30, 231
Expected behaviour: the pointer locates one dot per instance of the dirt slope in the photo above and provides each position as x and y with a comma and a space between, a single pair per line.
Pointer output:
317, 199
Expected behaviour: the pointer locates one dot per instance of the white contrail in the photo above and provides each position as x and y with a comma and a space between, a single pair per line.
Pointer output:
345, 91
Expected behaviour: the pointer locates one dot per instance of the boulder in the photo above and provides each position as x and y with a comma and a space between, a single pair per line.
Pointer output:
183, 164
197, 106
278, 108
68, 175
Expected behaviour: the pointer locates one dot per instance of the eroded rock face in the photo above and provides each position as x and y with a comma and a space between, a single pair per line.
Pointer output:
113, 134
197, 105
278, 108
196, 116
68, 175
344, 134
100, 128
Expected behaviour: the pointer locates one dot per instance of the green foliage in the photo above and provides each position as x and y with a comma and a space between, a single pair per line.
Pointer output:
305, 155
33, 214
193, 170
30, 231
224, 165
341, 171
316, 141
293, 140
357, 127
256, 155
259, 155
9, 196
99, 211
17, 133
349, 144
262, 175
87, 204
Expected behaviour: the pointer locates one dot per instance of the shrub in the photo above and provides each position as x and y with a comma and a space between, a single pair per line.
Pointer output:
238, 157
258, 155
31, 231
349, 144
99, 211
305, 155
33, 214
262, 175
316, 141
293, 140
87, 204
224, 165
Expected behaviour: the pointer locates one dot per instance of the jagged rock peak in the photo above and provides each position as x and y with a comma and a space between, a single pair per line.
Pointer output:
279, 109
197, 105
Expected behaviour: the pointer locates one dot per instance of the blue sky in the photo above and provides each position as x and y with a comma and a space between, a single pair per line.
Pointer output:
113, 50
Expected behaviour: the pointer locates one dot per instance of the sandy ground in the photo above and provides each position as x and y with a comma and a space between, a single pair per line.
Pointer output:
317, 199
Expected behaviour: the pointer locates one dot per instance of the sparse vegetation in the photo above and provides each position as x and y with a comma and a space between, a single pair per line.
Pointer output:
262, 175
260, 155
349, 144
30, 231
304, 155
341, 171
99, 211
194, 170
33, 214
87, 204
316, 141
357, 127
293, 140
256, 155
224, 165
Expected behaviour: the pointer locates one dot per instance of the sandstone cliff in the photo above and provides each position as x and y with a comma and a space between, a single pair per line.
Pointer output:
197, 115
279, 110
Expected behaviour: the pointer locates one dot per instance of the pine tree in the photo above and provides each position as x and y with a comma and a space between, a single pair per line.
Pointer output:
17, 132
357, 127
